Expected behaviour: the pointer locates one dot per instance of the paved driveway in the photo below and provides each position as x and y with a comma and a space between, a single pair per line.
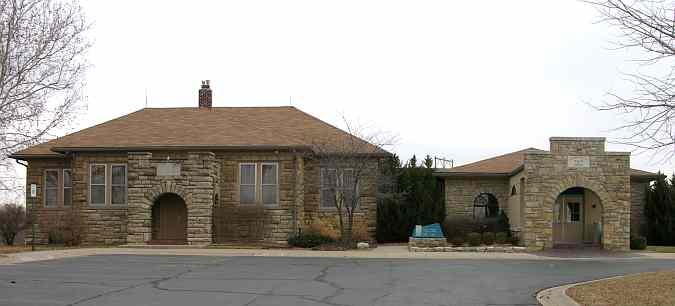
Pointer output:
203, 280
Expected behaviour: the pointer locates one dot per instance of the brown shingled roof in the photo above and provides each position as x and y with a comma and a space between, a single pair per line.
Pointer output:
219, 127
507, 165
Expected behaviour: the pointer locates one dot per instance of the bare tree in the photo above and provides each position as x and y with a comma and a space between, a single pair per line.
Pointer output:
42, 65
648, 26
12, 221
345, 162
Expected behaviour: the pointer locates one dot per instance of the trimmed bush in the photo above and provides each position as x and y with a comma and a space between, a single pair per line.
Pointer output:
454, 226
488, 238
309, 240
638, 243
473, 239
514, 240
501, 238
457, 241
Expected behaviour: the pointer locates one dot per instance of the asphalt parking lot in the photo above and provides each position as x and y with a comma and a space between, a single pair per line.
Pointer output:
210, 280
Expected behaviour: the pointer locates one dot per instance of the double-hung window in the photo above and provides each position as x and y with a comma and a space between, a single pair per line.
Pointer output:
247, 183
118, 189
51, 188
269, 183
338, 180
67, 187
97, 184
259, 183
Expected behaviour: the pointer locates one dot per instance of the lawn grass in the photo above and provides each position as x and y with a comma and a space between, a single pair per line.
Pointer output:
654, 288
661, 249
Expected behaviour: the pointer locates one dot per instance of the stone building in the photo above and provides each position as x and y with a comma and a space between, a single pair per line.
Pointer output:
197, 175
574, 194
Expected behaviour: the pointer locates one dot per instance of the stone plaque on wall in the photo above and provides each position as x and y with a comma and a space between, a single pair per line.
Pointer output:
578, 162
168, 169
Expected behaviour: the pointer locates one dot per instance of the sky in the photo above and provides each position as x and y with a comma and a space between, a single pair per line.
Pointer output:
463, 80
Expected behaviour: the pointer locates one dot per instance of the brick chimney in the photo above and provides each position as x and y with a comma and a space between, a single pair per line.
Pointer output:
205, 97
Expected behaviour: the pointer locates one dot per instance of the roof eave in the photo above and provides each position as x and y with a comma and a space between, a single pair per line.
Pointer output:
299, 148
471, 174
34, 156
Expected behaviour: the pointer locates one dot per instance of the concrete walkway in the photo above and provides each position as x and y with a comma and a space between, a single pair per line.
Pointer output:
382, 252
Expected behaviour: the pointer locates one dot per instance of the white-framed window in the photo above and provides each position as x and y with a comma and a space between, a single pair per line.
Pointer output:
333, 180
97, 184
118, 184
556, 212
247, 183
269, 182
51, 188
67, 187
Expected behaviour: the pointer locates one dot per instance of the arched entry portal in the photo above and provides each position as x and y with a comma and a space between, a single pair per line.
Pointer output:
169, 220
577, 218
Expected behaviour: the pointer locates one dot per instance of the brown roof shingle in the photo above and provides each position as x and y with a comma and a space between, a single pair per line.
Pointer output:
506, 165
218, 127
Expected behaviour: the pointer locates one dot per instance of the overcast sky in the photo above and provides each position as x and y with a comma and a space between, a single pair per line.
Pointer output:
462, 80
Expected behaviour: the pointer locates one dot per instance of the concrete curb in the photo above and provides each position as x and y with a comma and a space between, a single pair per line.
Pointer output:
557, 296
381, 252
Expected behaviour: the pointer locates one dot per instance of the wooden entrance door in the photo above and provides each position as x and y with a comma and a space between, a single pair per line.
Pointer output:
568, 220
169, 220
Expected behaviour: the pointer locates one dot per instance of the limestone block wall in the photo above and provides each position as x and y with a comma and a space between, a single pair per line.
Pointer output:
255, 222
461, 192
195, 185
637, 207
99, 225
548, 174
366, 215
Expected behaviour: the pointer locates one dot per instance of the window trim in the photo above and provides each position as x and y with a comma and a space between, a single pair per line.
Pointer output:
105, 185
276, 169
63, 187
126, 185
339, 172
255, 183
44, 200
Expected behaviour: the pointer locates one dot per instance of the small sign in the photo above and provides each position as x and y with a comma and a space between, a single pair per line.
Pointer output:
33, 190
428, 231
578, 162
168, 169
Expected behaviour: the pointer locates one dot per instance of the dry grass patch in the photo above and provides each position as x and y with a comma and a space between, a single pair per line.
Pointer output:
661, 249
654, 288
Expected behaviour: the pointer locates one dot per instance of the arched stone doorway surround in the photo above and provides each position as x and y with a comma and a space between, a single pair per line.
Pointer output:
169, 220
140, 213
612, 235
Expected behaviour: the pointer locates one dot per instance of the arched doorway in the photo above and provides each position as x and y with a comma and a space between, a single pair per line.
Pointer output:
485, 205
577, 218
169, 220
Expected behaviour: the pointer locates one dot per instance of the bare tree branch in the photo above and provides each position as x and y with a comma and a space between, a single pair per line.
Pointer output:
346, 161
647, 26
42, 65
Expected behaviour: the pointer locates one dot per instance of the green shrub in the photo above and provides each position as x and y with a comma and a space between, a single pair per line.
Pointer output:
457, 241
638, 243
489, 238
514, 240
309, 240
473, 239
55, 237
501, 238
454, 226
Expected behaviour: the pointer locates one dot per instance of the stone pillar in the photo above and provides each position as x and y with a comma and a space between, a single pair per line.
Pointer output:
139, 216
299, 193
200, 168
